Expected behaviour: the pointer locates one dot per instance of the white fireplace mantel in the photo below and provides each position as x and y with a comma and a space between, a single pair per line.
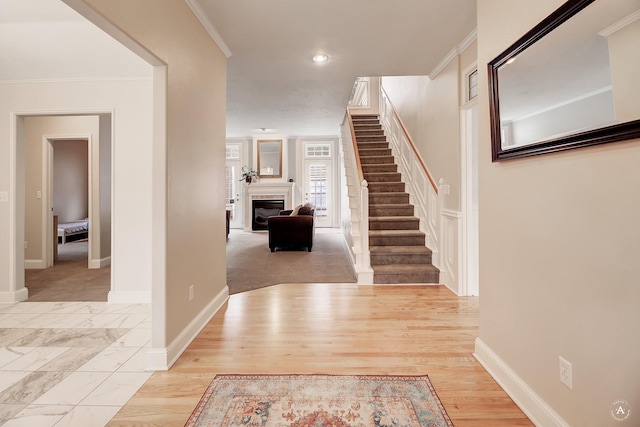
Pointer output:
265, 191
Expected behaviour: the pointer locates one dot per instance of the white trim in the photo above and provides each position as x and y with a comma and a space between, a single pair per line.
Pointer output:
35, 264
129, 297
13, 297
627, 20
451, 251
75, 80
538, 411
161, 359
453, 53
468, 282
99, 263
473, 35
206, 23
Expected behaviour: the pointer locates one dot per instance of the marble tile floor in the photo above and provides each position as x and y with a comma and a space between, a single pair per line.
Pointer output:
70, 363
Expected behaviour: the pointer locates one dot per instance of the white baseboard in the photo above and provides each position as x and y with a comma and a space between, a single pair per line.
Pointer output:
161, 359
127, 297
99, 263
538, 411
13, 297
34, 264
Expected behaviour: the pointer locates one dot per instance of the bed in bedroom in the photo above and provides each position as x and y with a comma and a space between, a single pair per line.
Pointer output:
67, 229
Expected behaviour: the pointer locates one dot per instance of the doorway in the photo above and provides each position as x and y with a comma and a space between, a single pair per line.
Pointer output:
67, 177
233, 187
318, 180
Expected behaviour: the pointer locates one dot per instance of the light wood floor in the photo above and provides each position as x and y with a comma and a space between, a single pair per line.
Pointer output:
334, 329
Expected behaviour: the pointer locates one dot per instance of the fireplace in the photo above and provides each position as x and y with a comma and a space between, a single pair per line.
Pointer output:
263, 209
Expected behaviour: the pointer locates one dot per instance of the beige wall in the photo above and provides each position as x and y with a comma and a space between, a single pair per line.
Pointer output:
195, 150
70, 180
430, 111
559, 254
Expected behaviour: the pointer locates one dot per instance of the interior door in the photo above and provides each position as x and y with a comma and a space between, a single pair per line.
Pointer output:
318, 189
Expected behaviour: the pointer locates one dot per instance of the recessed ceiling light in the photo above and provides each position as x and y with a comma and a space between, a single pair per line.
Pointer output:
320, 58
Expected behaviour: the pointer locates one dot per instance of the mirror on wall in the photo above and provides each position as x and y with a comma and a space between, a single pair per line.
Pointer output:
569, 82
270, 158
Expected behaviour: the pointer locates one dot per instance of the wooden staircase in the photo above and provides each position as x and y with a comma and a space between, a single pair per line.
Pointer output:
396, 244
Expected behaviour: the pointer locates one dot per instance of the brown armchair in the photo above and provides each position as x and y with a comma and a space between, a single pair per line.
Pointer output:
292, 231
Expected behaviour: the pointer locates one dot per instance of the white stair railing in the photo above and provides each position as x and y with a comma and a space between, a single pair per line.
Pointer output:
356, 228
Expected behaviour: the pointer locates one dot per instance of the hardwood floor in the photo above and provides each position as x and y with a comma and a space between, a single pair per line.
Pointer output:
334, 329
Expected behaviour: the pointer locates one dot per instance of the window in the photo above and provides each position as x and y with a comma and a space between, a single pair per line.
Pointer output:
472, 84
233, 151
318, 150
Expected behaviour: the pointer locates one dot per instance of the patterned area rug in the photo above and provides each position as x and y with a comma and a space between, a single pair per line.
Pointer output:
319, 401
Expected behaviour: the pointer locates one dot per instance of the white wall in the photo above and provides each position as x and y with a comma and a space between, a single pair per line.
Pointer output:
430, 110
130, 104
558, 259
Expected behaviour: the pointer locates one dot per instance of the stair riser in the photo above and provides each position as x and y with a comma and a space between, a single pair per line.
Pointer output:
396, 240
368, 133
366, 126
383, 177
372, 145
375, 160
400, 259
374, 152
386, 187
368, 138
429, 277
409, 224
391, 211
388, 199
357, 122
379, 168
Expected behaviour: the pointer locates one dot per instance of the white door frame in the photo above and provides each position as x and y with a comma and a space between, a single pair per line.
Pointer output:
16, 197
301, 159
469, 284
243, 160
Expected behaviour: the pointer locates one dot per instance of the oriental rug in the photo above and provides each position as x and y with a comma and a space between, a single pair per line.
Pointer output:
319, 400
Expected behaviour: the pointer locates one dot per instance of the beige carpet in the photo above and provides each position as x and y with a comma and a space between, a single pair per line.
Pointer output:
250, 264
69, 279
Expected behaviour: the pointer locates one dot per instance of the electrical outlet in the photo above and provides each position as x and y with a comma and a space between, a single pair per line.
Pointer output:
191, 293
566, 375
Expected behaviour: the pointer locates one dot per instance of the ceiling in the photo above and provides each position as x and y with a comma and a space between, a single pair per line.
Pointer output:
272, 81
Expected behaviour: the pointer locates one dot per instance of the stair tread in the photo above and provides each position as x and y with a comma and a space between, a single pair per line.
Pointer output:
391, 218
403, 268
383, 233
390, 205
401, 250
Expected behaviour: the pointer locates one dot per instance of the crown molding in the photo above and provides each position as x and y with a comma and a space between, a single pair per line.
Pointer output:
453, 53
620, 24
206, 23
78, 80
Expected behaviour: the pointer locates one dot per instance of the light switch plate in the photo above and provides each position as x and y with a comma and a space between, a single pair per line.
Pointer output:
4, 196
